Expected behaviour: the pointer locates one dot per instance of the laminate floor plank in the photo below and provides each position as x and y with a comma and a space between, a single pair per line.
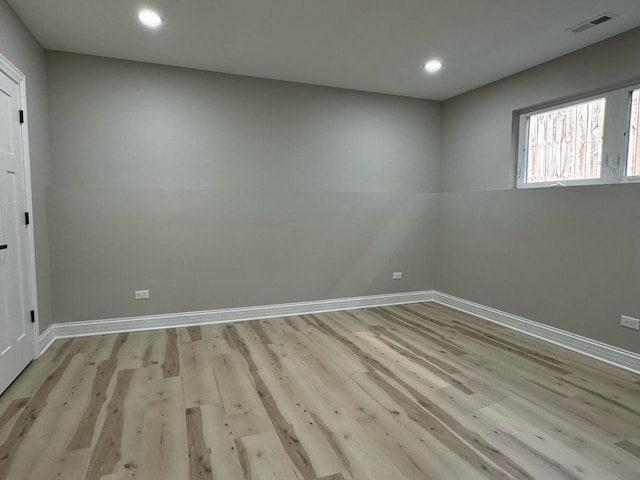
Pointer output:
132, 350
18, 441
213, 337
245, 414
355, 398
171, 363
199, 385
24, 458
330, 348
35, 374
10, 415
164, 453
553, 456
57, 460
52, 464
135, 409
529, 427
263, 457
183, 335
416, 391
321, 401
299, 422
403, 366
221, 443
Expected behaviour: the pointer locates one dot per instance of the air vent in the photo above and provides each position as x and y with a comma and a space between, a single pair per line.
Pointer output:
593, 22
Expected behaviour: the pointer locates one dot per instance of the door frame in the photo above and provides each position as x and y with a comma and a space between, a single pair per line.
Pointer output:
17, 76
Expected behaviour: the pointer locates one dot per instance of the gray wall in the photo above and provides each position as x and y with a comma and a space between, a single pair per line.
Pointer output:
19, 46
218, 191
566, 257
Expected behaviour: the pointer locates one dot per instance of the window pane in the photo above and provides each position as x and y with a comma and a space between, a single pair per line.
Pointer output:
633, 158
566, 144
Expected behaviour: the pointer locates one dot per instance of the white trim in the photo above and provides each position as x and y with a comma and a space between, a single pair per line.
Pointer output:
187, 319
17, 76
10, 69
591, 348
586, 346
46, 339
33, 284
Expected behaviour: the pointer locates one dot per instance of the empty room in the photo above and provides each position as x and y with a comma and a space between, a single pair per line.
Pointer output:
337, 240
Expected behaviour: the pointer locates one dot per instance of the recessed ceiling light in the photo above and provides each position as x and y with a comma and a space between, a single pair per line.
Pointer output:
433, 66
149, 18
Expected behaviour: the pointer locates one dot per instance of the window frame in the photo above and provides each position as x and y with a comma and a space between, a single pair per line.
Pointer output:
630, 178
615, 147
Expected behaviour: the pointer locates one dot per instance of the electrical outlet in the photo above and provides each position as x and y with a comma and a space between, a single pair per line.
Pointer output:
397, 275
628, 322
141, 294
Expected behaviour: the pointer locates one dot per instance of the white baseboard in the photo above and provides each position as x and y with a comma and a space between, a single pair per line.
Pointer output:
47, 338
188, 319
591, 348
600, 351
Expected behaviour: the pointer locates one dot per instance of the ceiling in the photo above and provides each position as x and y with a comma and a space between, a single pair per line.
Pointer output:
371, 45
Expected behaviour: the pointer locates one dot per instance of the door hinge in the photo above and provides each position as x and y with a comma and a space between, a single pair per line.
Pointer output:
26, 218
21, 116
33, 316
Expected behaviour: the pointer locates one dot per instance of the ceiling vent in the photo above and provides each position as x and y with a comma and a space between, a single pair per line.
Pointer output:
593, 22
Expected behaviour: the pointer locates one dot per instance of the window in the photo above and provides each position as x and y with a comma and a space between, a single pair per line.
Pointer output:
566, 144
591, 141
633, 154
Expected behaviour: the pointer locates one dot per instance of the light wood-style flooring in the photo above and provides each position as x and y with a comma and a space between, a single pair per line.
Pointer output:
417, 391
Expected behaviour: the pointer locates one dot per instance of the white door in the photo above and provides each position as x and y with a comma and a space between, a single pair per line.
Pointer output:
16, 332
